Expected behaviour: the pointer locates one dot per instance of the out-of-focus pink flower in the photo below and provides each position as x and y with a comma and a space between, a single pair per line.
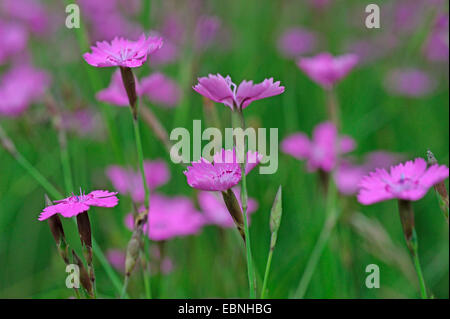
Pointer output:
116, 258
348, 175
81, 121
13, 40
323, 151
409, 82
170, 217
167, 54
326, 70
215, 210
408, 181
31, 12
20, 87
223, 90
223, 173
128, 181
159, 89
296, 41
206, 31
115, 93
437, 47
122, 52
407, 15
371, 49
77, 204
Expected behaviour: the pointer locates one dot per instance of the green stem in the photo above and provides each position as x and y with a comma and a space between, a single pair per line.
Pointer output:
415, 256
244, 197
123, 294
269, 262
332, 215
147, 204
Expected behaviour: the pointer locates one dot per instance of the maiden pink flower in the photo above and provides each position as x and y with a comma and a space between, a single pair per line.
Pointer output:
323, 151
326, 70
13, 40
296, 41
215, 210
437, 46
159, 89
170, 217
122, 52
409, 181
128, 181
223, 90
31, 12
409, 82
21, 86
77, 204
223, 173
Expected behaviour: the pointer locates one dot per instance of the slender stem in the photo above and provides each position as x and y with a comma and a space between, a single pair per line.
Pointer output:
266, 274
147, 204
332, 215
124, 287
244, 198
415, 257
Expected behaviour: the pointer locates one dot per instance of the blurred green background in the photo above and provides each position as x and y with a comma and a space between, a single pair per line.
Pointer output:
212, 263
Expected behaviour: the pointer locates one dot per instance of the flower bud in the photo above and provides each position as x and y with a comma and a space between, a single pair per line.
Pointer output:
84, 276
57, 230
130, 87
235, 210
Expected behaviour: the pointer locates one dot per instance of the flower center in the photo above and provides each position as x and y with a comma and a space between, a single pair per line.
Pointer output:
403, 184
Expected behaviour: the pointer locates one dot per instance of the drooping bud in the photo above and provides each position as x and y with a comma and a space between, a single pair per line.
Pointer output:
441, 190
56, 228
84, 276
130, 87
407, 220
235, 210
84, 229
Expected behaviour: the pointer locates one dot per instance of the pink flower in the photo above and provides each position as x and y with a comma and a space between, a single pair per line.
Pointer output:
409, 82
20, 87
159, 89
115, 93
206, 31
127, 181
170, 217
13, 40
31, 12
122, 52
348, 175
223, 173
326, 70
295, 42
437, 46
408, 181
322, 151
76, 204
215, 210
223, 90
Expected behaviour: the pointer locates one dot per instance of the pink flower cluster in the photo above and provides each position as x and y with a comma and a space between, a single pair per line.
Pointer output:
170, 217
322, 151
128, 181
32, 83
